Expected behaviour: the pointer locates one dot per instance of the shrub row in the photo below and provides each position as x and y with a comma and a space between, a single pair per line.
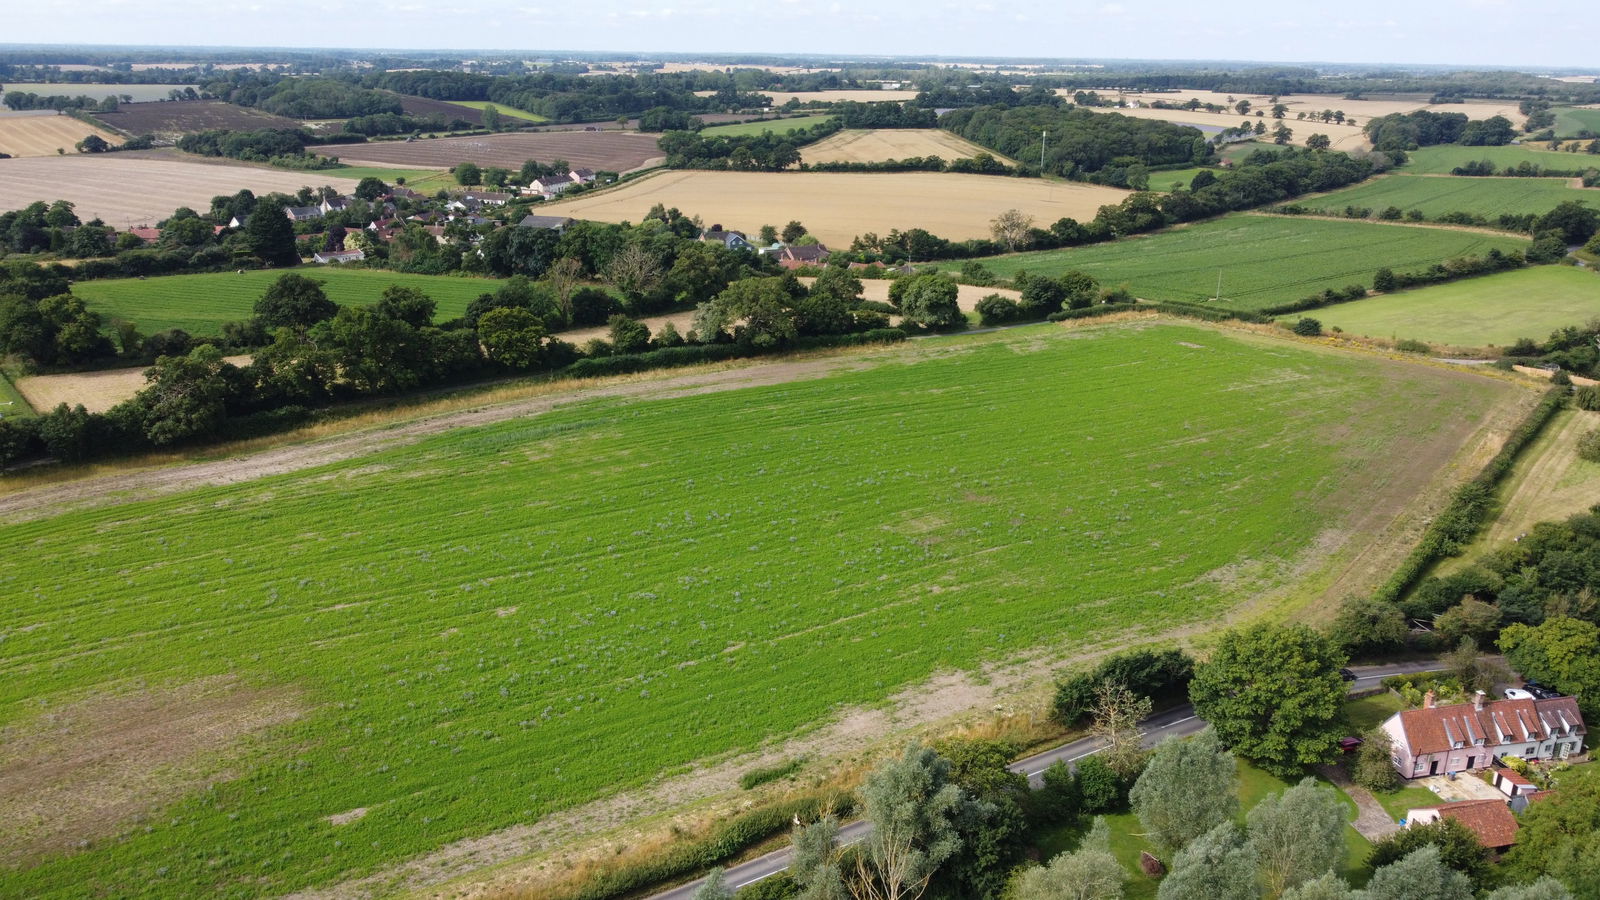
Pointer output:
1459, 521
1161, 675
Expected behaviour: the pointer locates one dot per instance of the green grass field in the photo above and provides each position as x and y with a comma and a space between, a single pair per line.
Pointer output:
424, 180
1128, 841
509, 112
1441, 159
12, 404
1494, 310
199, 304
747, 129
1571, 121
1488, 197
1173, 179
1263, 260
495, 623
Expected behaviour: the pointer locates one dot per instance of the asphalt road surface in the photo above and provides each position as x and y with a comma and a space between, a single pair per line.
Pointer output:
1176, 722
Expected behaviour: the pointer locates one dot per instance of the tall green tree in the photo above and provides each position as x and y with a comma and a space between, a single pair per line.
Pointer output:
1218, 865
186, 396
269, 235
1088, 873
1187, 788
715, 887
1274, 695
1328, 887
1563, 653
927, 300
409, 305
814, 863
1419, 876
1457, 846
1560, 836
1298, 835
914, 808
755, 311
294, 301
1543, 889
512, 337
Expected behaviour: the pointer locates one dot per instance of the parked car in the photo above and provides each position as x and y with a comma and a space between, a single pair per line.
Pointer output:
1347, 675
1350, 744
1518, 694
1540, 692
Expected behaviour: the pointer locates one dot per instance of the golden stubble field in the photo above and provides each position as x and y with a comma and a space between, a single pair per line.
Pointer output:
125, 192
836, 207
891, 143
43, 133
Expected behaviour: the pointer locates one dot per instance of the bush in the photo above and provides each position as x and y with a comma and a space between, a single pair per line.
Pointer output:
995, 309
1411, 346
1372, 768
764, 775
1307, 327
1161, 675
1589, 445
1099, 788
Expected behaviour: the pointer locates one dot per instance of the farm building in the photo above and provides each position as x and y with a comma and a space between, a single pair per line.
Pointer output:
1466, 737
1490, 820
557, 224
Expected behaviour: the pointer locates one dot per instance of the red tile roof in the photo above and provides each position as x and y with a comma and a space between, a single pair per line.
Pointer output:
1514, 777
1490, 820
1499, 722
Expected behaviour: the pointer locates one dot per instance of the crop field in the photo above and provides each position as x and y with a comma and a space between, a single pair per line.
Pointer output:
1494, 310
1572, 121
495, 623
1344, 137
422, 180
1441, 159
779, 126
183, 116
199, 304
612, 151
1370, 107
1434, 196
867, 96
43, 135
890, 143
139, 92
838, 206
1263, 260
507, 111
125, 191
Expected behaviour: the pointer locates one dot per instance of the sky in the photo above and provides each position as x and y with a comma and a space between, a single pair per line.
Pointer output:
1464, 33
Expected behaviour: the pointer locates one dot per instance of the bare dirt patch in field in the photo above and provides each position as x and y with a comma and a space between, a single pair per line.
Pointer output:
837, 206
126, 192
43, 135
97, 391
182, 116
613, 151
890, 143
80, 771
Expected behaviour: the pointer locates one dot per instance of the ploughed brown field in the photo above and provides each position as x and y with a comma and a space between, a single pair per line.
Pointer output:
125, 191
182, 116
423, 107
612, 151
838, 206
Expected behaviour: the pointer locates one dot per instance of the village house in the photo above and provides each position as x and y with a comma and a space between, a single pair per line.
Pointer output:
338, 256
489, 198
1490, 820
582, 176
303, 213
553, 185
146, 233
557, 224
1466, 737
794, 256
335, 204
733, 240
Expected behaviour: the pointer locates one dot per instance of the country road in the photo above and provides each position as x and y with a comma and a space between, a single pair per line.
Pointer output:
1176, 722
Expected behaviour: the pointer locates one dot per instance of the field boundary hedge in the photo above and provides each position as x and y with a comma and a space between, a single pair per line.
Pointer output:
1465, 515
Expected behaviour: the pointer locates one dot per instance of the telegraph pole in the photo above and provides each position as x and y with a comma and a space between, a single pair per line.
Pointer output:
1043, 137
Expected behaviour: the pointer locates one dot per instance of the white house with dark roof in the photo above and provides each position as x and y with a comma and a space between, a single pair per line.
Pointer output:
1466, 737
552, 185
303, 213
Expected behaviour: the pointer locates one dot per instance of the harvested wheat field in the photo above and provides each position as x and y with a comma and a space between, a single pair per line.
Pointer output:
837, 206
781, 97
877, 145
97, 391
1344, 137
609, 151
42, 133
127, 192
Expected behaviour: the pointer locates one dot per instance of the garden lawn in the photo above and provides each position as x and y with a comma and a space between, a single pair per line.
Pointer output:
1441, 159
1127, 840
750, 129
1368, 713
507, 111
1433, 197
492, 624
1263, 260
1494, 310
199, 304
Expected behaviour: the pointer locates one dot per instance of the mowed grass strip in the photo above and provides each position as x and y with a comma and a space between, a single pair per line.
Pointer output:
751, 129
1494, 310
1263, 260
12, 403
501, 622
1441, 159
199, 304
1432, 196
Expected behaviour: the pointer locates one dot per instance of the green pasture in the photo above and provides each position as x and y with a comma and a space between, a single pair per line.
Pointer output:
492, 624
507, 111
1494, 310
1263, 260
1173, 179
750, 129
1254, 785
1441, 159
423, 180
1433, 196
199, 304
1572, 120
12, 403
